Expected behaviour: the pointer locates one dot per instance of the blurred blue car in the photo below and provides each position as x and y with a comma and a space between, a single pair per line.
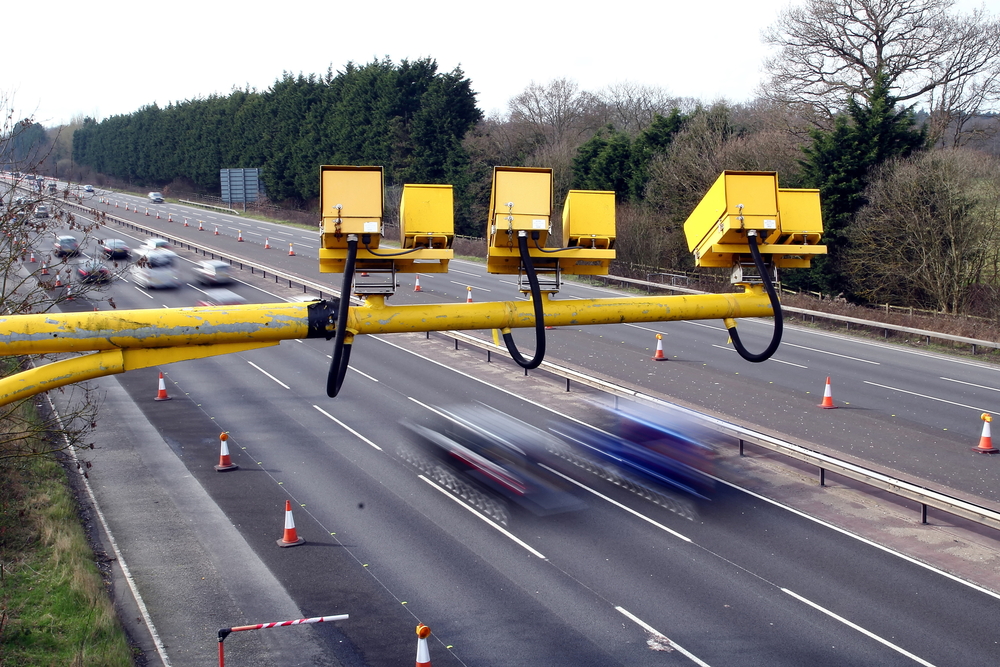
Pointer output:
655, 449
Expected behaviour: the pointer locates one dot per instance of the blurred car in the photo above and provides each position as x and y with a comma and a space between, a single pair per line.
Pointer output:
19, 201
152, 245
156, 269
88, 188
41, 211
212, 272
220, 297
93, 271
653, 449
496, 453
155, 197
115, 249
66, 246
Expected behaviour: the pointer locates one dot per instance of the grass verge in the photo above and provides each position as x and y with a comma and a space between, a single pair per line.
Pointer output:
55, 607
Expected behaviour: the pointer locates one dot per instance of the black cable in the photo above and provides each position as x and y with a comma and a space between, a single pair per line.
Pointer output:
536, 297
341, 350
392, 254
775, 305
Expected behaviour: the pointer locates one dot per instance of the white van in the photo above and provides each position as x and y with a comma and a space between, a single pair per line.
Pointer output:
156, 269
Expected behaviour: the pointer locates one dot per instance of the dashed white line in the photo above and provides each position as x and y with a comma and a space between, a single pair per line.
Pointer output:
854, 626
488, 522
143, 292
269, 375
619, 505
476, 289
833, 354
971, 384
650, 629
777, 361
348, 428
932, 398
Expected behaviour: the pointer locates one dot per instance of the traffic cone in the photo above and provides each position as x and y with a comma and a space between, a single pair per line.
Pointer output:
239, 235
423, 654
45, 269
291, 252
161, 392
170, 217
267, 245
659, 349
225, 463
416, 285
126, 207
986, 441
290, 537
186, 222
157, 214
58, 282
216, 230
147, 212
32, 259
116, 204
468, 299
827, 403
201, 227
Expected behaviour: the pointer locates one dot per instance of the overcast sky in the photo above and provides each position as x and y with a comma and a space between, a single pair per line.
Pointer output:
106, 57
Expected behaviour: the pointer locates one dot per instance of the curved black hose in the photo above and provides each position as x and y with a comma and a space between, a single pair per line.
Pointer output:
342, 351
536, 297
779, 324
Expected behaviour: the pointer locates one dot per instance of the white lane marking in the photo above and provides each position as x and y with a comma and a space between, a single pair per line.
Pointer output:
971, 384
778, 361
618, 504
932, 398
650, 629
303, 245
477, 289
352, 368
254, 233
707, 326
278, 231
269, 375
465, 273
484, 518
636, 326
348, 428
859, 538
857, 627
834, 354
142, 291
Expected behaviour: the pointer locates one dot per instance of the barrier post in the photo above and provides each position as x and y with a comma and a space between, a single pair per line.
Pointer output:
225, 632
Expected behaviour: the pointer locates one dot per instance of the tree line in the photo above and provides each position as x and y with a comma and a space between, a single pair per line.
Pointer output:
861, 100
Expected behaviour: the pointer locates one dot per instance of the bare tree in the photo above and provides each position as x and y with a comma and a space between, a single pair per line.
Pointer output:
631, 107
930, 232
557, 112
33, 280
832, 50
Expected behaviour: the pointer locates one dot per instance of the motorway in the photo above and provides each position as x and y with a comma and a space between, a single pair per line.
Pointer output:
623, 581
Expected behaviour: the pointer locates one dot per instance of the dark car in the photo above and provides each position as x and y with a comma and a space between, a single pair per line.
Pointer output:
41, 211
93, 272
66, 246
494, 454
115, 249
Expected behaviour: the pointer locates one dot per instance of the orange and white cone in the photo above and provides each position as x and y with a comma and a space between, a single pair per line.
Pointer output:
986, 441
827, 403
416, 284
31, 259
161, 392
225, 463
267, 244
216, 230
201, 226
147, 212
116, 204
659, 356
126, 207
157, 214
45, 269
468, 299
170, 217
290, 538
291, 250
186, 222
239, 235
58, 282
423, 654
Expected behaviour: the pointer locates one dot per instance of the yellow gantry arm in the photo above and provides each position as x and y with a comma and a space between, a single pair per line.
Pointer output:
128, 339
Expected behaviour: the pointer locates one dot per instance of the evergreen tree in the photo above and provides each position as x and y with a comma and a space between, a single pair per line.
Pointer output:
839, 163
